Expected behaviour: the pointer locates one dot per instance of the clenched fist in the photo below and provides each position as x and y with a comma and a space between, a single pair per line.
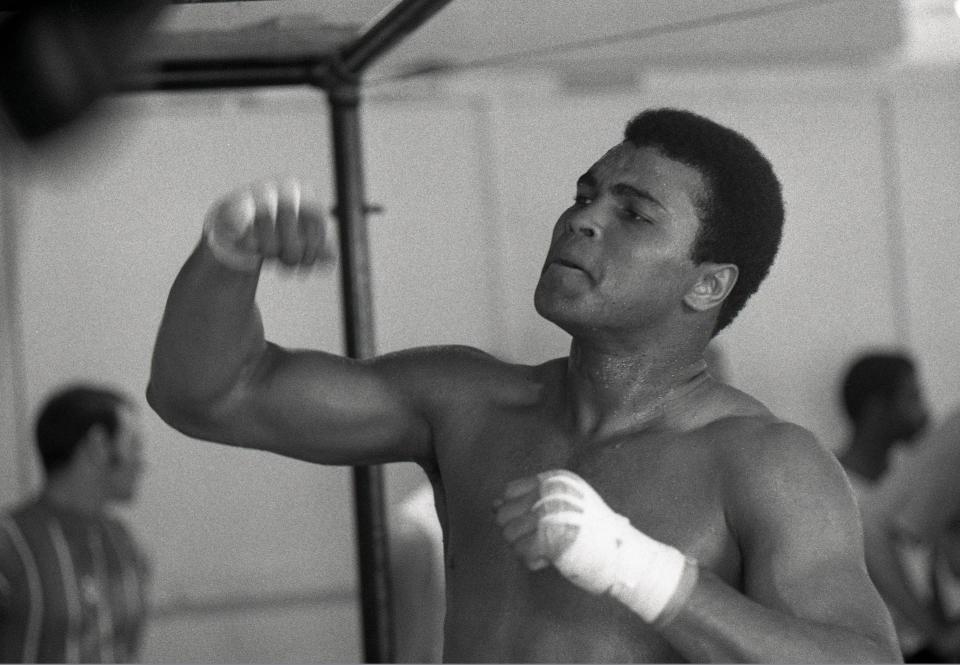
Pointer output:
268, 220
556, 518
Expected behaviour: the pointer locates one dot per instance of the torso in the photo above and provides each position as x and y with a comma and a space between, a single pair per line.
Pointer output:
74, 587
670, 477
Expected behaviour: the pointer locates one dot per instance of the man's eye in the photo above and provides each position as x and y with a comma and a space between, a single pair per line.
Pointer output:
635, 216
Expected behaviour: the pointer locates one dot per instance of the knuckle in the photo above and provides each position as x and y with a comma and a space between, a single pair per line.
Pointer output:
555, 538
551, 505
522, 527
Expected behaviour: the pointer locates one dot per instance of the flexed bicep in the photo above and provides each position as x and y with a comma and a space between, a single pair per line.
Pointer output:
328, 409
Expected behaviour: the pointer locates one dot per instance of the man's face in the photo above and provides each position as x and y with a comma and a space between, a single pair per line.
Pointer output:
126, 464
909, 409
619, 259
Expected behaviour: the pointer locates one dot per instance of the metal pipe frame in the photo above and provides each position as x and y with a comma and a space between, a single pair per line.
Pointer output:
387, 30
368, 486
343, 94
212, 79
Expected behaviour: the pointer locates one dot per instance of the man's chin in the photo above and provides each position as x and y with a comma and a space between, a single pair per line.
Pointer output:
561, 314
545, 305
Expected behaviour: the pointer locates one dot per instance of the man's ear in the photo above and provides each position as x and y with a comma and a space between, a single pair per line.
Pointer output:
715, 284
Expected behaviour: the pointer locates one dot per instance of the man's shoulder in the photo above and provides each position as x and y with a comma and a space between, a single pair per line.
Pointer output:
747, 420
730, 415
751, 435
771, 464
754, 444
770, 444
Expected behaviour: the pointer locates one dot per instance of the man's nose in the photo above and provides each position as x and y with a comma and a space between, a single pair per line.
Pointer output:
583, 221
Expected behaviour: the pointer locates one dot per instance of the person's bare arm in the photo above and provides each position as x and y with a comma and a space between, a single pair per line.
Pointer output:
720, 624
806, 595
215, 377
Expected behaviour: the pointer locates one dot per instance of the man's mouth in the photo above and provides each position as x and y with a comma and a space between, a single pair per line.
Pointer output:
568, 264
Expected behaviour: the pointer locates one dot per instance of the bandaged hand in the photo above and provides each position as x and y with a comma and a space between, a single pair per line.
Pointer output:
556, 518
268, 220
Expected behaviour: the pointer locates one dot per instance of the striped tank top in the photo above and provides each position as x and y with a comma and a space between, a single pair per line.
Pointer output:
72, 587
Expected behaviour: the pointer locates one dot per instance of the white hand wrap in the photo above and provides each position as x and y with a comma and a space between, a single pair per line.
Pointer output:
608, 555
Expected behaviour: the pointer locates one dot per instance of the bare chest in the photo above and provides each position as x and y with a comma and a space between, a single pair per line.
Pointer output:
666, 483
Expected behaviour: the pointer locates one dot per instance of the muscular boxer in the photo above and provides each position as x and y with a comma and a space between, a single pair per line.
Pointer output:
618, 504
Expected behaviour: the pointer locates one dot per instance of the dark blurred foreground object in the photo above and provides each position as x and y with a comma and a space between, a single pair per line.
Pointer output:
59, 57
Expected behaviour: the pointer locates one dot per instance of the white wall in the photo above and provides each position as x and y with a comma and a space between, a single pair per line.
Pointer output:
471, 182
926, 110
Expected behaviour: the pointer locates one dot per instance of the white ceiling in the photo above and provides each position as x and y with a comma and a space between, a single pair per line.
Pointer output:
656, 32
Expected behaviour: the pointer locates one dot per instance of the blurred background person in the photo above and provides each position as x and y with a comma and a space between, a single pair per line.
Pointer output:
72, 579
885, 406
912, 538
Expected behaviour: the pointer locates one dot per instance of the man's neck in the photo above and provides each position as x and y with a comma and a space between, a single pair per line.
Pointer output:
75, 494
610, 390
867, 454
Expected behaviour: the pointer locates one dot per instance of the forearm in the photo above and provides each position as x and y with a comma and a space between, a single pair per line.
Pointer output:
719, 624
210, 335
814, 608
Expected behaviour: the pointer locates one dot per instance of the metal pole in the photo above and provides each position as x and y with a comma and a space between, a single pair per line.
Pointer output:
342, 85
369, 504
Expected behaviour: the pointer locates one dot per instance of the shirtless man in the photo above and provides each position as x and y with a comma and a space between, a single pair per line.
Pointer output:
743, 541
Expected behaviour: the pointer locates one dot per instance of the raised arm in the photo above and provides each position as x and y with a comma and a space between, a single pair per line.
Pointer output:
215, 377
